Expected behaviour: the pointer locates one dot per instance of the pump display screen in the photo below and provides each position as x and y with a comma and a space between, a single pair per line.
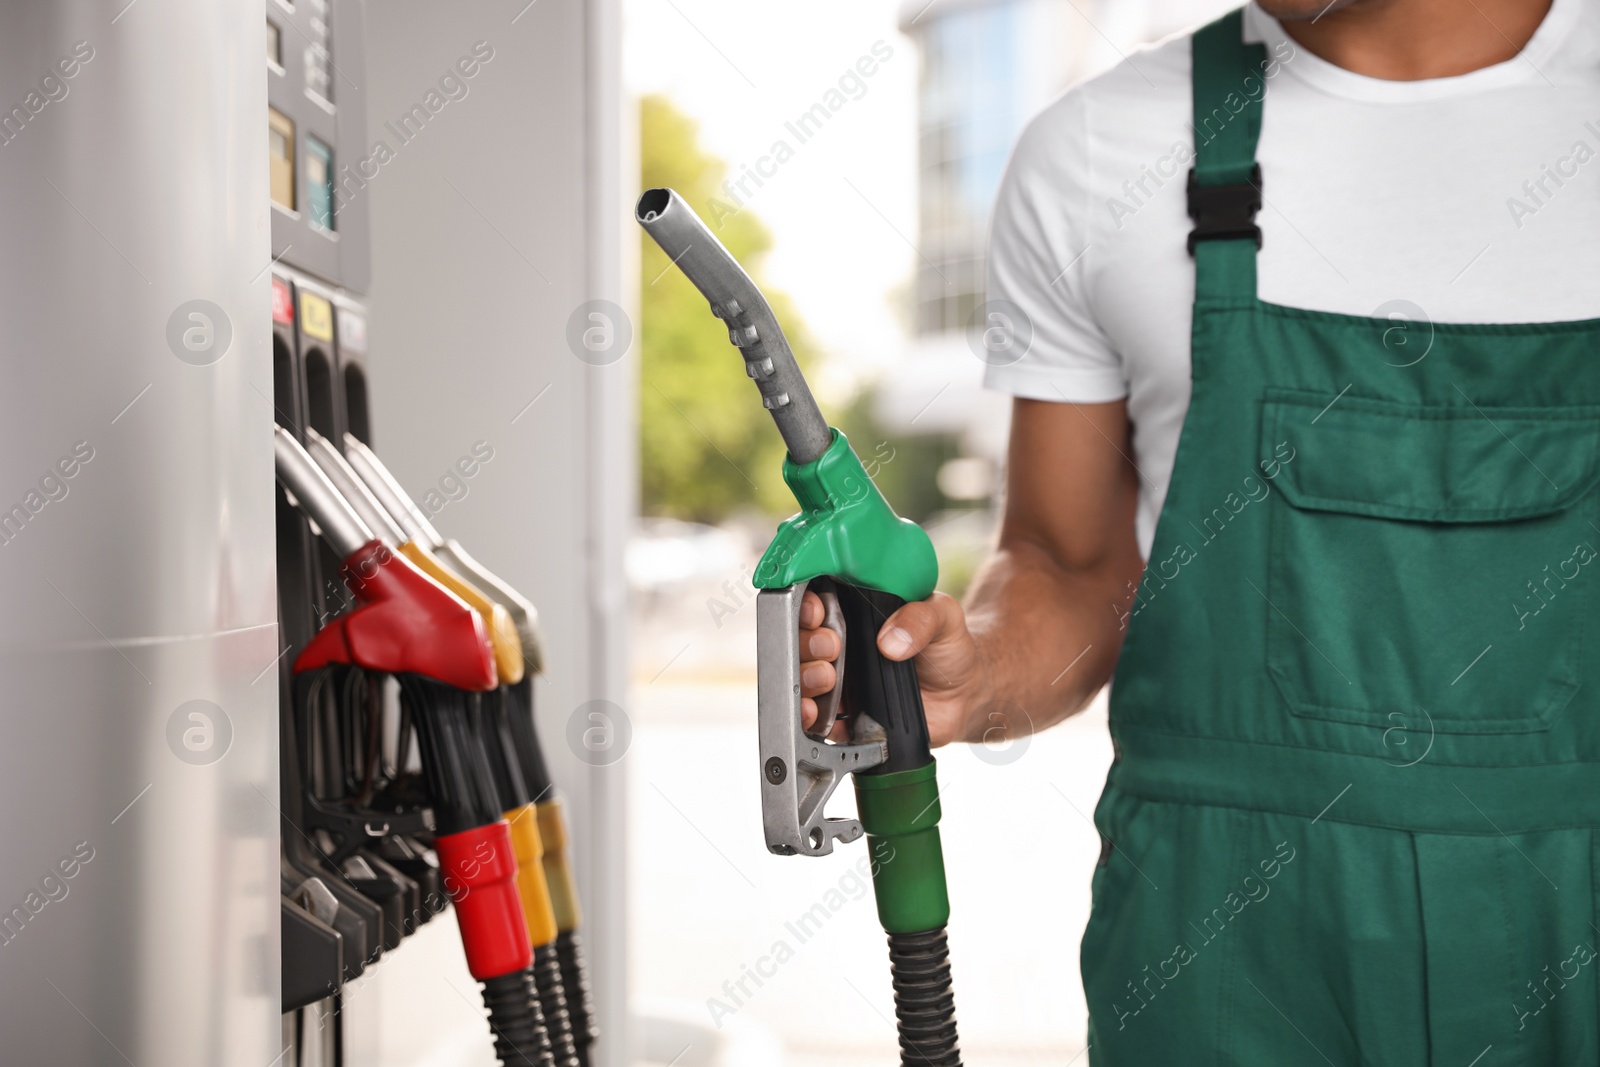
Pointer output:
319, 183
319, 57
280, 158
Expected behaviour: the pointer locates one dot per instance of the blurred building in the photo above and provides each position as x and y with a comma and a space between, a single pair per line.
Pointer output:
988, 66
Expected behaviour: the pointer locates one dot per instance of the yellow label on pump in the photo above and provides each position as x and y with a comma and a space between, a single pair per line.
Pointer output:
280, 158
316, 316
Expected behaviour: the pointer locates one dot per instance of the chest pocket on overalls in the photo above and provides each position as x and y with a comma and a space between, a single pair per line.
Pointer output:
1431, 560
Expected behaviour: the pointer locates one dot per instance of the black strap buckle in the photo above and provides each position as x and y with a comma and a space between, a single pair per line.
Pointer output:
1225, 212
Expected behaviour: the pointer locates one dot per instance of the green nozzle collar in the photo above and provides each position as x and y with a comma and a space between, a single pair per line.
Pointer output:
845, 529
900, 812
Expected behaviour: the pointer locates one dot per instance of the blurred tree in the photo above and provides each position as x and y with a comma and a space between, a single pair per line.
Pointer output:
904, 467
707, 448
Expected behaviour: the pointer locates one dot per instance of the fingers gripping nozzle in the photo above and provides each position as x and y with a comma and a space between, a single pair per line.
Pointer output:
799, 771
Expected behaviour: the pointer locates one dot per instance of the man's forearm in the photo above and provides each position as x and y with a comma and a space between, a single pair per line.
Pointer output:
1048, 637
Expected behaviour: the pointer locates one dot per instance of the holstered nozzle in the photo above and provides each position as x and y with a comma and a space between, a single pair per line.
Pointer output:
528, 845
403, 622
480, 873
557, 872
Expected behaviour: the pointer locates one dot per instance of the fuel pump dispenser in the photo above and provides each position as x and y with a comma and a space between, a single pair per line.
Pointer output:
366, 850
408, 625
250, 687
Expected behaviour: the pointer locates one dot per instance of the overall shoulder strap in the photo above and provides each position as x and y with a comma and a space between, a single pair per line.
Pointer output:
1225, 182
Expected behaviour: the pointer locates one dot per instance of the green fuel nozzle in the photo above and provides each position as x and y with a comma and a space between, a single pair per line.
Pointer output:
846, 529
864, 562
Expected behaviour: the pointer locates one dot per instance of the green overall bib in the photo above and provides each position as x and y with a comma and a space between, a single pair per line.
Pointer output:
1352, 817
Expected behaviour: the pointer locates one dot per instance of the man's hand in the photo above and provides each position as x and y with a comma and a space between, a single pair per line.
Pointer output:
1047, 609
933, 630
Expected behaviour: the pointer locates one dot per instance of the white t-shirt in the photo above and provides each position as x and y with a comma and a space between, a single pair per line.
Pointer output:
1466, 199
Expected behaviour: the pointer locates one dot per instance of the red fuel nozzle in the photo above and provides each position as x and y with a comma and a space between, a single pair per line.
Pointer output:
480, 874
403, 623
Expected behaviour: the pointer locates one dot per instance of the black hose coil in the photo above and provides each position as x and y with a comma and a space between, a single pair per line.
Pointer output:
520, 1038
924, 1002
553, 1000
580, 997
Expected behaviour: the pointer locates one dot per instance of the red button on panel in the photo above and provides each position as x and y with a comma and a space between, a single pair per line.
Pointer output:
282, 304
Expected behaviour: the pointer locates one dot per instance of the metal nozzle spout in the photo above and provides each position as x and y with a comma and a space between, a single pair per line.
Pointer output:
316, 496
351, 487
752, 328
376, 477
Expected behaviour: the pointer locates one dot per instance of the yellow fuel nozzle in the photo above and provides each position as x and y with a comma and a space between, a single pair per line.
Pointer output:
558, 876
388, 490
504, 640
503, 636
529, 851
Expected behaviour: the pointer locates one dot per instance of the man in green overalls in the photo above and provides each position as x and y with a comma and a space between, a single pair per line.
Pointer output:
1317, 288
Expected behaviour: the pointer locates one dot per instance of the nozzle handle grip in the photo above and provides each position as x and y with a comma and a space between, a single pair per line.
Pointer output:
898, 800
883, 689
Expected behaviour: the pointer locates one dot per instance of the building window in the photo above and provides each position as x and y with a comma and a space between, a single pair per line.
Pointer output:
973, 100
